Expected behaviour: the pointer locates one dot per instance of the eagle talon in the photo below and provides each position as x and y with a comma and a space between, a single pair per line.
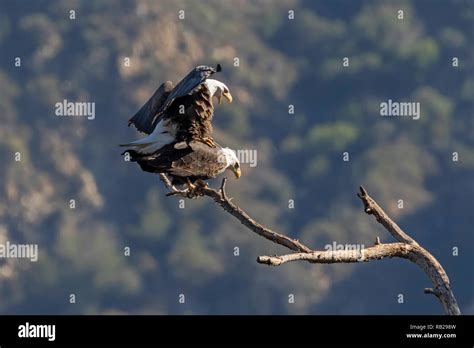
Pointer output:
191, 193
193, 190
181, 144
202, 183
191, 186
195, 193
209, 142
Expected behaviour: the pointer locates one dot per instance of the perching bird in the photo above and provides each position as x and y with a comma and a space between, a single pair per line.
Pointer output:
179, 123
182, 113
186, 163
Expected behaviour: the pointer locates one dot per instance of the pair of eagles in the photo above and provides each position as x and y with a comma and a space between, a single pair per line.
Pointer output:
178, 121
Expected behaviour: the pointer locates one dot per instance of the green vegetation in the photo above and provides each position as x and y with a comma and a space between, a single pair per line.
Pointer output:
300, 155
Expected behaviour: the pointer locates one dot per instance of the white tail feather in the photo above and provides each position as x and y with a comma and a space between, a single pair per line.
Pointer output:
162, 135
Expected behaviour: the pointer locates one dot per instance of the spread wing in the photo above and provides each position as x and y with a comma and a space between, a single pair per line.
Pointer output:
191, 93
144, 120
192, 80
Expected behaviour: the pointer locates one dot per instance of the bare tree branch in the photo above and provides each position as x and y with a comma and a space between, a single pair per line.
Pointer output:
376, 252
220, 197
372, 208
406, 247
419, 255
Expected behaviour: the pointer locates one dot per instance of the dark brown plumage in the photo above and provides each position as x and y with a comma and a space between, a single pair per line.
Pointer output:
188, 105
184, 162
178, 121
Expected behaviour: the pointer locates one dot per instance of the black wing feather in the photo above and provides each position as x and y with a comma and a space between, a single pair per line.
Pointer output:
144, 120
197, 76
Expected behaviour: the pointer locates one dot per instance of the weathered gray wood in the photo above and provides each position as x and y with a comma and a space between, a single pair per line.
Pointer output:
406, 247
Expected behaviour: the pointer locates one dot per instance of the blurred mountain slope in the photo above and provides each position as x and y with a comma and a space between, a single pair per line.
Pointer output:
270, 62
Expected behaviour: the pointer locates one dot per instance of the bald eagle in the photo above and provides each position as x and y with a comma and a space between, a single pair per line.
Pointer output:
186, 163
180, 113
178, 121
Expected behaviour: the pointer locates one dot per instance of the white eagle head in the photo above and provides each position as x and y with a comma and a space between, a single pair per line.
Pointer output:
218, 90
231, 161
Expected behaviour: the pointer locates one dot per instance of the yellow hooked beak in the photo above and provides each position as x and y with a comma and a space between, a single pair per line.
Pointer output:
237, 172
224, 94
228, 96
